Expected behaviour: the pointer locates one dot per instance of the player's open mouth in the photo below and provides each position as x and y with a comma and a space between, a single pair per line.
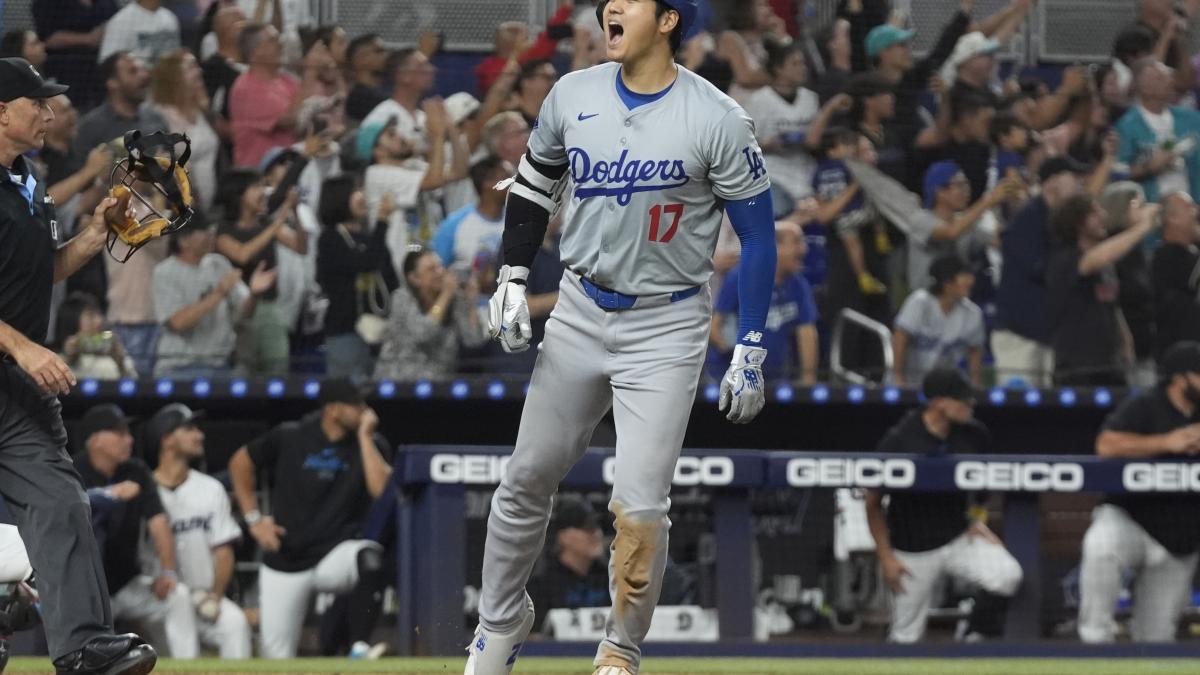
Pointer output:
615, 32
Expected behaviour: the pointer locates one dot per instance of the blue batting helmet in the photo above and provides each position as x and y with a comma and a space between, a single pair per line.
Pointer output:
687, 12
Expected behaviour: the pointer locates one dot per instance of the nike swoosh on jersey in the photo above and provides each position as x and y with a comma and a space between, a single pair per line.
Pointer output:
584, 118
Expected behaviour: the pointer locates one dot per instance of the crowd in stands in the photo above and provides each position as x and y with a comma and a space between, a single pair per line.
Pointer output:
1023, 231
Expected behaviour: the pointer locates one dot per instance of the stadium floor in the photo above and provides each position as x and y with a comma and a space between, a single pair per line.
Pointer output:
667, 666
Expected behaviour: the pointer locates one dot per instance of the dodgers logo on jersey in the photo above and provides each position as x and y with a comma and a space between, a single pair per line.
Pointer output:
625, 177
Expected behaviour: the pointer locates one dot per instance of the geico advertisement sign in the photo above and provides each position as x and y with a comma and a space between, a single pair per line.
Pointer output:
1154, 477
867, 472
489, 469
1024, 476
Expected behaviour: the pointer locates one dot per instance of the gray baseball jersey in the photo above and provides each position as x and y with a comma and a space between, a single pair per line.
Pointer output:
648, 184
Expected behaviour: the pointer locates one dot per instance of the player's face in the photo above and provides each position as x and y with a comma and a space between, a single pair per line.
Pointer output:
898, 56
188, 441
582, 542
633, 26
26, 121
114, 445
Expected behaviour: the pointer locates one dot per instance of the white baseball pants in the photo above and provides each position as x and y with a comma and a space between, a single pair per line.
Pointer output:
973, 560
644, 364
14, 560
229, 634
1115, 543
284, 597
172, 619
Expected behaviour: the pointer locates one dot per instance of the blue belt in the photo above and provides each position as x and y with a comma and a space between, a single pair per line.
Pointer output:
612, 301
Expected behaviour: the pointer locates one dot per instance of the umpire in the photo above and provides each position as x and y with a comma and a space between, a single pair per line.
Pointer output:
37, 480
1153, 536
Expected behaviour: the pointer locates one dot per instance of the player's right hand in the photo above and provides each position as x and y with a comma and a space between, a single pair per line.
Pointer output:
48, 371
893, 572
267, 534
743, 391
508, 311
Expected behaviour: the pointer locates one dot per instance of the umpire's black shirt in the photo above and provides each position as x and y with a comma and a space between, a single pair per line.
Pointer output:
923, 521
1172, 519
318, 490
28, 240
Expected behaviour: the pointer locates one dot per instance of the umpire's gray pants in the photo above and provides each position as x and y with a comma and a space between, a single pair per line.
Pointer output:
45, 496
644, 364
1114, 544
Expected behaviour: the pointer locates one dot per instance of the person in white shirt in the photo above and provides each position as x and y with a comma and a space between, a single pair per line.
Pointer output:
782, 113
203, 526
939, 327
144, 28
476, 228
412, 77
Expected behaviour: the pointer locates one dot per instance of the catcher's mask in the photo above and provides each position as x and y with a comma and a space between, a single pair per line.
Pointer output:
151, 178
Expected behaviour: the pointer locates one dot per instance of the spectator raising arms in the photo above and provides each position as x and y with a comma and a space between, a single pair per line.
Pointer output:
72, 31
264, 100
1159, 141
743, 46
366, 58
178, 93
512, 41
247, 237
200, 299
1176, 273
783, 113
432, 314
1092, 343
351, 256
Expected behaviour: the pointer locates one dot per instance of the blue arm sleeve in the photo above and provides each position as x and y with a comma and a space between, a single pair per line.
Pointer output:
754, 221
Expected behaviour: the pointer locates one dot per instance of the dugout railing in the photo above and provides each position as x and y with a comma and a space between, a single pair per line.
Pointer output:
432, 483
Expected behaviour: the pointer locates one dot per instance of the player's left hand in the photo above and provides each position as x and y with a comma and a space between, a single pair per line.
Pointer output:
508, 311
743, 391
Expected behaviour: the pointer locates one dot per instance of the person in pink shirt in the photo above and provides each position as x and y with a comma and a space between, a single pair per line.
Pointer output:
264, 100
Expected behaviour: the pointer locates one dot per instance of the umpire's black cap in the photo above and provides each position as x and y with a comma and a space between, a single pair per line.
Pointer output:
19, 79
103, 417
340, 390
947, 383
1180, 358
168, 419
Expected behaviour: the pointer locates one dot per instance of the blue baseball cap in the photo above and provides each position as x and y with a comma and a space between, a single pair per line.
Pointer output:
937, 177
884, 36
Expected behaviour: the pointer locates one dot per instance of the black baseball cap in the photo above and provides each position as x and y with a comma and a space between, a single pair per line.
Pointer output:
574, 512
340, 390
103, 417
19, 79
168, 419
946, 383
1180, 358
1061, 164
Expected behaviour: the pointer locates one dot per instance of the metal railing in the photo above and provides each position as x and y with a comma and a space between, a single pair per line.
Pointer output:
868, 324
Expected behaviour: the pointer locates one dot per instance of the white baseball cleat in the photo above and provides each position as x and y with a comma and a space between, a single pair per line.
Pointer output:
495, 653
613, 670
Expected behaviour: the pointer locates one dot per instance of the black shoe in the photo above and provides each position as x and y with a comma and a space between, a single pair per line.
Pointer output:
3, 652
125, 654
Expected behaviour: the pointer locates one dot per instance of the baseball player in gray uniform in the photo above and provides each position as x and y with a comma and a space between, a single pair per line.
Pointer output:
653, 154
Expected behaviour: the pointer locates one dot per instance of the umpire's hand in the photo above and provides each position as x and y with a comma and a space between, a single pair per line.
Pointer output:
46, 369
267, 534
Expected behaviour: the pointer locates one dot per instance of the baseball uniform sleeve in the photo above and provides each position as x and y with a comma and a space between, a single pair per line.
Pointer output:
224, 529
736, 167
546, 141
909, 317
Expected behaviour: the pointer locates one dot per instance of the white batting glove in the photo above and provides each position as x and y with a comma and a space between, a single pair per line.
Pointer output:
508, 311
743, 390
